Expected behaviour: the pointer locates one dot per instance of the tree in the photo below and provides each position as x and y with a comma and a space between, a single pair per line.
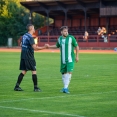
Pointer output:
2, 2
38, 20
13, 20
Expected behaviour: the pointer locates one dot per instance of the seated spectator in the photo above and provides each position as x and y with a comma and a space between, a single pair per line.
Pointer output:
99, 31
103, 34
113, 33
103, 30
85, 37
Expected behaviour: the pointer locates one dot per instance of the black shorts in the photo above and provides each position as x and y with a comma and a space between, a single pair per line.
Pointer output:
26, 64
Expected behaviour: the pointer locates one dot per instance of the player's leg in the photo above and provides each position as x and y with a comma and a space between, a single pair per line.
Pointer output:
32, 67
35, 81
63, 79
63, 71
19, 80
67, 82
21, 75
67, 79
70, 67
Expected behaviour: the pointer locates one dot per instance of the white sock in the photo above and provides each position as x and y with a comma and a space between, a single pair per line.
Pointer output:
69, 76
67, 80
63, 78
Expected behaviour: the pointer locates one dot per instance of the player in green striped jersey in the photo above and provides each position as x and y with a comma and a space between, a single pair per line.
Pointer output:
67, 43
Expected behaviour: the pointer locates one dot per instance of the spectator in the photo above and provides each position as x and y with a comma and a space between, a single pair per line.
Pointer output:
85, 37
103, 33
99, 31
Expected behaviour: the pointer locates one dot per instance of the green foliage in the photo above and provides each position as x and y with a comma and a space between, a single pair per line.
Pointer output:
38, 20
13, 20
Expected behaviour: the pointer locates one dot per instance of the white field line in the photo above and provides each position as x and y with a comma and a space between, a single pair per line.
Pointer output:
66, 95
41, 111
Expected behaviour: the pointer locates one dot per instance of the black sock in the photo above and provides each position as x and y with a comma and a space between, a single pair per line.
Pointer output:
34, 78
20, 77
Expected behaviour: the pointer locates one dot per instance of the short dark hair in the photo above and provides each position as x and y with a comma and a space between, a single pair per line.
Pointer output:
63, 27
28, 25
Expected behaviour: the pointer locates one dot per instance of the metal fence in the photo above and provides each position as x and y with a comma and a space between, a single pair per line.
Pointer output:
92, 41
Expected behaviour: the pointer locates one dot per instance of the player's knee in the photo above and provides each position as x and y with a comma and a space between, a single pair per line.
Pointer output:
24, 72
34, 72
69, 72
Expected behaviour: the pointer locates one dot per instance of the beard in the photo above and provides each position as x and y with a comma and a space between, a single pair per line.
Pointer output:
65, 35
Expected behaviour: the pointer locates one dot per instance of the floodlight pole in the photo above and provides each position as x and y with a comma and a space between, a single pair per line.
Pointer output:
48, 24
85, 21
107, 22
65, 11
30, 17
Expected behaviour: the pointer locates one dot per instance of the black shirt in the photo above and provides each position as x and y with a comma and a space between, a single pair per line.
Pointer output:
27, 49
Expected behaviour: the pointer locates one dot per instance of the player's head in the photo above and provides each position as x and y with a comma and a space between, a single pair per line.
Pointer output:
64, 31
30, 28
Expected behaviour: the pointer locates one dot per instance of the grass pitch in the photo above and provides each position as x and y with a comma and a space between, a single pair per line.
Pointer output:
93, 87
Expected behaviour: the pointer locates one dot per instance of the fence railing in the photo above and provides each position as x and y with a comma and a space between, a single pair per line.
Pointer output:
92, 41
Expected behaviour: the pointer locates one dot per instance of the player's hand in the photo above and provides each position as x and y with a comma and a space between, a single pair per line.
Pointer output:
76, 59
46, 45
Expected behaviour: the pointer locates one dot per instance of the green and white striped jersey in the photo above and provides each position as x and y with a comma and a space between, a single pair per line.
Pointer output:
66, 46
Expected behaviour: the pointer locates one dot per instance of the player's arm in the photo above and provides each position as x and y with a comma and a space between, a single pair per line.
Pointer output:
39, 48
77, 53
35, 47
75, 44
52, 46
20, 44
57, 45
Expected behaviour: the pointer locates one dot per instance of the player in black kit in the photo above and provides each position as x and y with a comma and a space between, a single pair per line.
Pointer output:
27, 61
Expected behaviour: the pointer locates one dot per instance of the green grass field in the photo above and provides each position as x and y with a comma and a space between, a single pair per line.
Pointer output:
93, 88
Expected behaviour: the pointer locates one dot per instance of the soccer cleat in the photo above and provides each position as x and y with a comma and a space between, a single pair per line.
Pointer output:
66, 90
17, 89
36, 89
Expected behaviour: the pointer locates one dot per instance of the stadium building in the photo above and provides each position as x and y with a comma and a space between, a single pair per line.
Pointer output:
79, 16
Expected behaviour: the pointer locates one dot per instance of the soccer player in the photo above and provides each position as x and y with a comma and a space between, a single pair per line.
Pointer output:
27, 61
66, 43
